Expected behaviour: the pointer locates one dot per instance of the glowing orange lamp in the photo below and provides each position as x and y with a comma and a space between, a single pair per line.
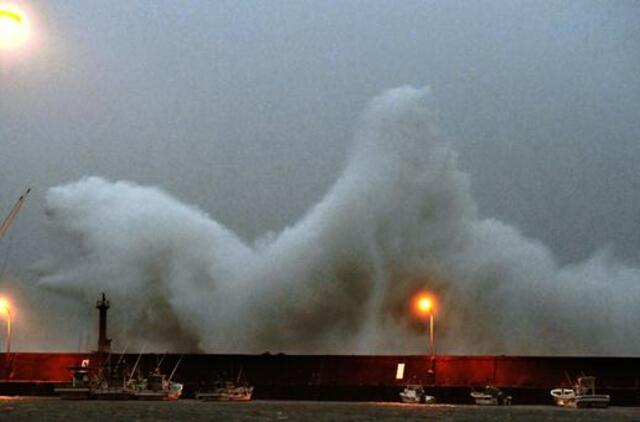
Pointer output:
424, 305
5, 307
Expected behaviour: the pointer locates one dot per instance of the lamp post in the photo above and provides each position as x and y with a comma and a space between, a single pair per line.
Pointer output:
425, 306
4, 307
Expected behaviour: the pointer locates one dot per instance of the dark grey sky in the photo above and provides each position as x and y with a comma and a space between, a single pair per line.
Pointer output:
247, 109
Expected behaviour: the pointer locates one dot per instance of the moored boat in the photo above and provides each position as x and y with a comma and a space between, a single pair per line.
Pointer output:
156, 387
490, 396
562, 396
106, 392
111, 381
80, 387
228, 392
583, 395
415, 394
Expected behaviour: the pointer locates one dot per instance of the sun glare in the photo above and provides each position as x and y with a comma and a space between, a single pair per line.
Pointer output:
14, 27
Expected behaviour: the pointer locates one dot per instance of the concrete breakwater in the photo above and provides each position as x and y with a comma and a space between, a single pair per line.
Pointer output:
342, 377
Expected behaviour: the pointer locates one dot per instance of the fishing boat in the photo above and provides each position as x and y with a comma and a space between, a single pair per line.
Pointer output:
111, 382
582, 395
228, 392
113, 393
113, 388
415, 394
156, 386
562, 396
104, 382
490, 396
80, 387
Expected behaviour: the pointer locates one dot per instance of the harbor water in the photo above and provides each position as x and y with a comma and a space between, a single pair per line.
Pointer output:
53, 409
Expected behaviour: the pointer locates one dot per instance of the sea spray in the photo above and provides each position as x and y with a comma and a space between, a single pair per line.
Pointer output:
399, 219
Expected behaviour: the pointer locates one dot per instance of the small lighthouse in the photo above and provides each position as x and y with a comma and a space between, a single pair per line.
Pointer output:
104, 343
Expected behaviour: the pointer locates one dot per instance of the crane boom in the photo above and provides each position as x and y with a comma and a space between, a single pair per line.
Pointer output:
12, 214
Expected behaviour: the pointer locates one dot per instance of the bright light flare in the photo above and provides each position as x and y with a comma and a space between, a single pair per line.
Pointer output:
423, 304
5, 306
14, 27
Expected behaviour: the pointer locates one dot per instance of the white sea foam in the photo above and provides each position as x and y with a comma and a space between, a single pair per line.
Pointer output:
399, 219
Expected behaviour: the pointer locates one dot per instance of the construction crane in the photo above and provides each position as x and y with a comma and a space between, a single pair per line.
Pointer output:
12, 214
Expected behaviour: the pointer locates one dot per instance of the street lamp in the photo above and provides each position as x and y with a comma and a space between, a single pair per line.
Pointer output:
5, 308
424, 305
14, 27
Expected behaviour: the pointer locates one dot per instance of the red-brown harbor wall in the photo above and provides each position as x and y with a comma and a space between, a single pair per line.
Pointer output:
341, 377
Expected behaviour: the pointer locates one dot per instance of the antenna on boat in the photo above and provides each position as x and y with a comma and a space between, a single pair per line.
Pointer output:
566, 374
175, 367
6, 223
133, 371
104, 363
239, 376
161, 360
122, 354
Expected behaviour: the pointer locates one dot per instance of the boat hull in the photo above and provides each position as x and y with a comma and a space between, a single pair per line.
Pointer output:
112, 395
223, 397
73, 393
156, 395
486, 401
581, 396
150, 396
410, 399
592, 401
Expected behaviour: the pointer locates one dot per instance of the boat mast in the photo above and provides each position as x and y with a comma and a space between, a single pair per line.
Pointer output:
133, 371
12, 214
175, 367
160, 363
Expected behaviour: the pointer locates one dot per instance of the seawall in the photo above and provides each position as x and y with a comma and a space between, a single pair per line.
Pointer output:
344, 377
